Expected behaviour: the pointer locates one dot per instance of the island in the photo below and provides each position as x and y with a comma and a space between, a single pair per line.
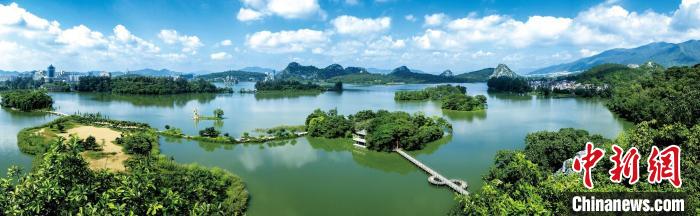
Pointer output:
381, 130
26, 100
146, 85
451, 97
89, 163
294, 86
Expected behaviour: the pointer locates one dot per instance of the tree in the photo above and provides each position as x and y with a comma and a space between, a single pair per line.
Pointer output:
90, 143
669, 97
550, 149
209, 132
137, 143
219, 113
26, 100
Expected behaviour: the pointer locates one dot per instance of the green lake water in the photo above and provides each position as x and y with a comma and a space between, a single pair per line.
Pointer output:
309, 176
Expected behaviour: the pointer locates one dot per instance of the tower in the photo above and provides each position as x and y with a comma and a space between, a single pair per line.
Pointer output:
51, 71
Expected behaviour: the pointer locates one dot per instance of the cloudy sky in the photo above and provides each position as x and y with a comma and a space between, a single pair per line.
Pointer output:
198, 35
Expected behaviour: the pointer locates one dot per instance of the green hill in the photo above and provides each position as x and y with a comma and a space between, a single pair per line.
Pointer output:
475, 76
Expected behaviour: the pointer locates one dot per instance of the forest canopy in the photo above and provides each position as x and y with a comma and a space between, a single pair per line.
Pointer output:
385, 130
146, 85
26, 100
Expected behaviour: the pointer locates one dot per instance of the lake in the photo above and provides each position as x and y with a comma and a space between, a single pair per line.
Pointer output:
308, 176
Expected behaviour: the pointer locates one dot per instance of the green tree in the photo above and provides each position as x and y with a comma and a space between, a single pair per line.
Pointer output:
219, 113
26, 100
209, 132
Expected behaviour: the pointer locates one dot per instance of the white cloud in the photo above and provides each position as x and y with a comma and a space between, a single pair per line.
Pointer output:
286, 41
435, 19
410, 17
481, 53
288, 9
220, 56
687, 15
245, 14
587, 53
226, 43
190, 44
353, 25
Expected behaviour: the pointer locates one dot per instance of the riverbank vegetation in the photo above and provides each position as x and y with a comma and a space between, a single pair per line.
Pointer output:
64, 182
146, 85
385, 130
671, 96
213, 135
532, 181
61, 183
26, 100
451, 97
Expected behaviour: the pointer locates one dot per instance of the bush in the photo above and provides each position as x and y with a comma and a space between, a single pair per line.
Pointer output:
90, 143
209, 132
137, 143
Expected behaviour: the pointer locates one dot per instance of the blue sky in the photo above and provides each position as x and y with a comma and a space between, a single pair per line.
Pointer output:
190, 35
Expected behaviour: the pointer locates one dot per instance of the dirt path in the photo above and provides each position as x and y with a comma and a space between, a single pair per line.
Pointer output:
113, 158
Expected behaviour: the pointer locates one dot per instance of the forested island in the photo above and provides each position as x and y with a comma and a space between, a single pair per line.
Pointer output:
666, 109
26, 100
385, 130
292, 86
69, 178
146, 85
450, 97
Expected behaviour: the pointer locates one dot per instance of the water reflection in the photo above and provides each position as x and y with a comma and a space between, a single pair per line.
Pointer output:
465, 116
284, 95
509, 96
165, 101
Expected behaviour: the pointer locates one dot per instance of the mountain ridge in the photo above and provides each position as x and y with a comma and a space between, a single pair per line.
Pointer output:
663, 53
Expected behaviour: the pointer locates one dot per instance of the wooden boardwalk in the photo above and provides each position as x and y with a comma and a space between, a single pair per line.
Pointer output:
435, 177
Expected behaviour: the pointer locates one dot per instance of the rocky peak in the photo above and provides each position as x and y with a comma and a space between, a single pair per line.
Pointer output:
402, 69
335, 67
503, 70
447, 73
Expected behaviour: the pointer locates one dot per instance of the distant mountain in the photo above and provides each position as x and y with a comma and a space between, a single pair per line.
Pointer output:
407, 75
257, 69
387, 71
154, 73
296, 71
240, 75
666, 54
378, 70
502, 70
476, 76
447, 73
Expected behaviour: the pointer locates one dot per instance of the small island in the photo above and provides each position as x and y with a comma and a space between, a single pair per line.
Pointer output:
294, 86
146, 85
451, 97
381, 130
26, 100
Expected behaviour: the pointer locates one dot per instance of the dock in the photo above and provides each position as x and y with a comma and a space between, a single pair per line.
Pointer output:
436, 178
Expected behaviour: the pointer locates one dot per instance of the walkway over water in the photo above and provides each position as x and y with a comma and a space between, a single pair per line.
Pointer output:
57, 113
435, 178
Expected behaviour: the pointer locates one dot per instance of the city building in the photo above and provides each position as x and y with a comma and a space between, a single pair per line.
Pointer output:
51, 72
